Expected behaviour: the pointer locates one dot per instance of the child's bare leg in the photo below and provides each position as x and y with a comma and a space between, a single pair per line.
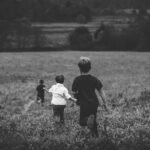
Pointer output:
92, 125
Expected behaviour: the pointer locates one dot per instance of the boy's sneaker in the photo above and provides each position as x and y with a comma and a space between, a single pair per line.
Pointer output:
90, 121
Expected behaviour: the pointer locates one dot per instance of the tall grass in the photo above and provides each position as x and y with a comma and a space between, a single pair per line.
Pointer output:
126, 80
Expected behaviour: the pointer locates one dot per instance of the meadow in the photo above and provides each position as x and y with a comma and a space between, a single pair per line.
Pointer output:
25, 125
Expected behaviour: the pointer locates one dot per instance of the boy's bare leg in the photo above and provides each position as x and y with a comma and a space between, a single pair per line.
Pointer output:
92, 125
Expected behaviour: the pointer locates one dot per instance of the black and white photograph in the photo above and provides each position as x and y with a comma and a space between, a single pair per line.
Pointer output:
74, 74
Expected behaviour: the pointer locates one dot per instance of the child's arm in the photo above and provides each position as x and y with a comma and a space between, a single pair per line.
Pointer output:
68, 96
47, 90
75, 94
102, 94
72, 99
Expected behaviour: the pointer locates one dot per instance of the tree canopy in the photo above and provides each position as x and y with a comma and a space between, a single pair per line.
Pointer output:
53, 10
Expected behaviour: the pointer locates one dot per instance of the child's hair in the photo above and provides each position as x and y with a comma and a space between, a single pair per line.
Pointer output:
59, 79
84, 64
41, 81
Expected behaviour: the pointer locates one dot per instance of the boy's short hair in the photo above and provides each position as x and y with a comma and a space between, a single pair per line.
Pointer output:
59, 79
41, 81
84, 64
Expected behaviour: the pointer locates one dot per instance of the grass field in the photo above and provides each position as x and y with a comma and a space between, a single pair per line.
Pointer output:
24, 124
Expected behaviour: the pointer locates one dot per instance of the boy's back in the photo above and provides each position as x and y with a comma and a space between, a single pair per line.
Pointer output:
85, 86
40, 90
59, 94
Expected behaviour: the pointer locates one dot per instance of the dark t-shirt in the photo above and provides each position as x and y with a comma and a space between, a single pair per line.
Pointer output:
84, 86
40, 90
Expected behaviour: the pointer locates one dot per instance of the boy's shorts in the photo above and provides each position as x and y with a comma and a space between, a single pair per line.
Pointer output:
85, 112
58, 109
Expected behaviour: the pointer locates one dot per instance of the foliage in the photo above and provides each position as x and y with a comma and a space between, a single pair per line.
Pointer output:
124, 40
133, 37
143, 26
5, 28
46, 10
81, 19
66, 10
19, 35
80, 38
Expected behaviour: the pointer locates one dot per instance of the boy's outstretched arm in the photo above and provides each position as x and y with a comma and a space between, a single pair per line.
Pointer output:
68, 96
72, 99
102, 94
46, 90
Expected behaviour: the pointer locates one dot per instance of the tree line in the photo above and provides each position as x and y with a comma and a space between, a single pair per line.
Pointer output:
62, 10
16, 30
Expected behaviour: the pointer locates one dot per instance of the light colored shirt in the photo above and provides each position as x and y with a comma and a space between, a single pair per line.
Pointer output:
59, 94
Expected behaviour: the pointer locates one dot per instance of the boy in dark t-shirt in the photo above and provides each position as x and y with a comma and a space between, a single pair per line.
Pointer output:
40, 91
84, 89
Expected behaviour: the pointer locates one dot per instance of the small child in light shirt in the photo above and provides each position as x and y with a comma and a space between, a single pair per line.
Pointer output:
59, 96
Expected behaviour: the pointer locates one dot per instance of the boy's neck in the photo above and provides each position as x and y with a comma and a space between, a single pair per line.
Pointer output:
59, 83
83, 73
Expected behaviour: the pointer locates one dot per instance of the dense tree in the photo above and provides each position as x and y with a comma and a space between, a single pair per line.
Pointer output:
57, 10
